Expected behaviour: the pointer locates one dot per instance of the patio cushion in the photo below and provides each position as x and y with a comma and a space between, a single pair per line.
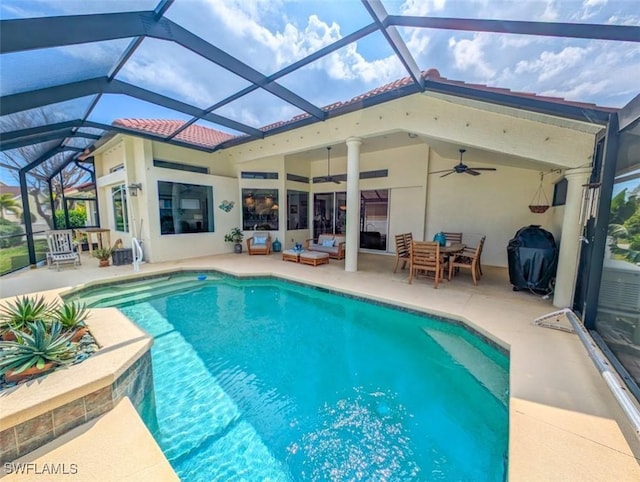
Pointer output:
259, 240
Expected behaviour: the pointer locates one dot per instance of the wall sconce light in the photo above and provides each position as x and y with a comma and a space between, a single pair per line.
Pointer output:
134, 188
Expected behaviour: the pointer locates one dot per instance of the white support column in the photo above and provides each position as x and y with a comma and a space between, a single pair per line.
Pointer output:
353, 204
570, 241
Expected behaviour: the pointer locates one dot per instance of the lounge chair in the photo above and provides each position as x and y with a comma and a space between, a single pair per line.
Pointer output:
425, 258
62, 249
259, 243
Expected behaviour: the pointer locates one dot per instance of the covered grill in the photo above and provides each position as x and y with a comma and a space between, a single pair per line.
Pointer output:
533, 258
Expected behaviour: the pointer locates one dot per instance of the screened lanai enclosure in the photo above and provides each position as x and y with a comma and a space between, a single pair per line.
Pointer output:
71, 69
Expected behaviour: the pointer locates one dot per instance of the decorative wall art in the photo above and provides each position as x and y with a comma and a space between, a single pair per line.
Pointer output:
226, 206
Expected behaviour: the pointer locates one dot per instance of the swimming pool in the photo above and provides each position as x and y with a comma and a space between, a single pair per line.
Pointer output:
263, 379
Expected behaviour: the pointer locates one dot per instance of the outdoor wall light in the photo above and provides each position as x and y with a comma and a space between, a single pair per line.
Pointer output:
134, 188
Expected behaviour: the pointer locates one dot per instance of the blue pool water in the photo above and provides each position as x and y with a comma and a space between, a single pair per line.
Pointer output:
267, 380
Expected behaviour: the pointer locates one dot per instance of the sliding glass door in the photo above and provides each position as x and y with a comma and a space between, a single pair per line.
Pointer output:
330, 216
374, 219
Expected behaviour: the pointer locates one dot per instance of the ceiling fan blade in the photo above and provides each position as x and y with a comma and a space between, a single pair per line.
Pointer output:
439, 172
445, 175
472, 172
484, 168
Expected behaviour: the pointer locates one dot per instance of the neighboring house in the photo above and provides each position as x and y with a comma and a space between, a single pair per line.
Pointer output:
176, 199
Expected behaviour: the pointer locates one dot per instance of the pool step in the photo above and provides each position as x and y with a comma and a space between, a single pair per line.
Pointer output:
201, 435
141, 292
480, 366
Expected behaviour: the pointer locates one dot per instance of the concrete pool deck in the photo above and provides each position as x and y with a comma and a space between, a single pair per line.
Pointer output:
564, 422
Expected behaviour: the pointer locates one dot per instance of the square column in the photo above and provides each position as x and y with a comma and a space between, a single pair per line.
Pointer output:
571, 233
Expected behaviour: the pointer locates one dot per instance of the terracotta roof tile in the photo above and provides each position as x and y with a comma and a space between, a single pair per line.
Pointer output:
194, 134
13, 190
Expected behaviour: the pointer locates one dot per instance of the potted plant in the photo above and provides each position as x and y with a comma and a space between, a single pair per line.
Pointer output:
39, 350
72, 316
103, 254
235, 236
14, 316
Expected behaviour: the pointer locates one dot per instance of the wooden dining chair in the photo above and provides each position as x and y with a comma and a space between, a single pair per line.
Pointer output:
468, 258
425, 257
402, 251
453, 238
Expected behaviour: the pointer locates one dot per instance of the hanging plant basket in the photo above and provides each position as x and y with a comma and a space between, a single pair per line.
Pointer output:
540, 202
538, 208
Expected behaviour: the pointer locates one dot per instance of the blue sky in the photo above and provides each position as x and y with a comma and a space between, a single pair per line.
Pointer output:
271, 34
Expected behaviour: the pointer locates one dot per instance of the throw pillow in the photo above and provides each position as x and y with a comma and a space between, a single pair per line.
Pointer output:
259, 240
327, 243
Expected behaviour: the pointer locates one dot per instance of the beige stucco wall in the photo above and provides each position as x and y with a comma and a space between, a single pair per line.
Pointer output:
494, 204
550, 141
137, 155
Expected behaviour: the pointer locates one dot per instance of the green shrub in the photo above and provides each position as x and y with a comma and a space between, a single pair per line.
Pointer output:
77, 219
8, 233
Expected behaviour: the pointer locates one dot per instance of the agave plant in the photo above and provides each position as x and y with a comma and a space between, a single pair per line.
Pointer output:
71, 315
34, 349
24, 310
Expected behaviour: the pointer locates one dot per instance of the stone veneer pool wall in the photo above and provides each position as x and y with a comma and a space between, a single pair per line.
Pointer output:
136, 383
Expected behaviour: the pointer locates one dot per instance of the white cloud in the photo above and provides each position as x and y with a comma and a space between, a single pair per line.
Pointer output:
469, 55
550, 13
550, 64
422, 7
244, 19
594, 3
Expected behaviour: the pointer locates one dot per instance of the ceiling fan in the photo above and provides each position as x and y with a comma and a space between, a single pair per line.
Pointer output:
463, 168
328, 177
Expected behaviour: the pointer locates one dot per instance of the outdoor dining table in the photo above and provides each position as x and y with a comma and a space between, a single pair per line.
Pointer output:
453, 248
99, 232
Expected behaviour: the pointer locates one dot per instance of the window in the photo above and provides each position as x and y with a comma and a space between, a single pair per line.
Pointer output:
260, 209
298, 210
180, 167
120, 213
258, 175
185, 208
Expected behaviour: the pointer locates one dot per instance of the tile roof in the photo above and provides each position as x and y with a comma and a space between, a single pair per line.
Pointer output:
13, 190
208, 137
194, 134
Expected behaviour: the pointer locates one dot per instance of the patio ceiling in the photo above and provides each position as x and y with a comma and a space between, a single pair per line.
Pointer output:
55, 101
